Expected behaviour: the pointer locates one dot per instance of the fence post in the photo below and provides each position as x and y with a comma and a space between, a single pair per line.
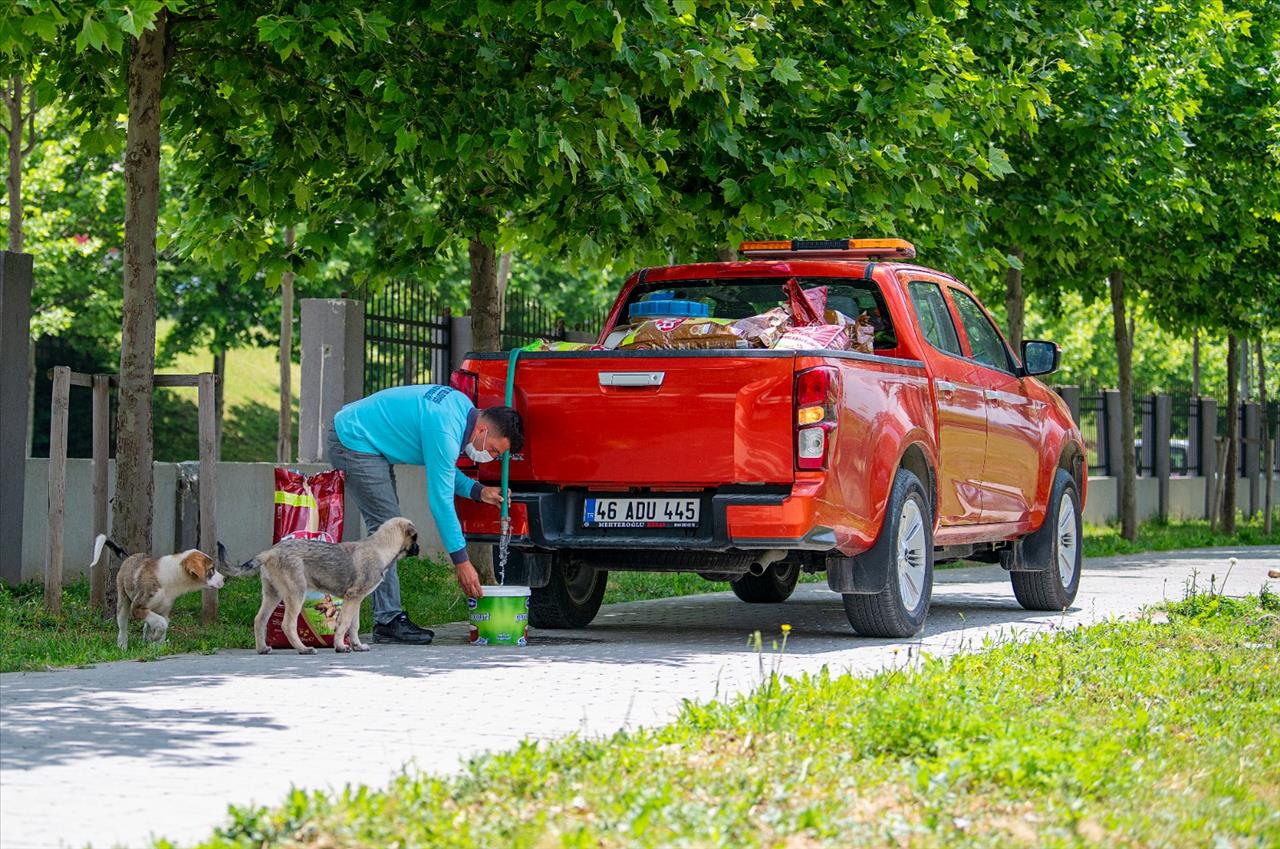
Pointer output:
101, 458
1111, 424
1146, 460
1071, 395
459, 340
332, 368
1207, 456
1250, 447
57, 488
1163, 409
15, 349
208, 486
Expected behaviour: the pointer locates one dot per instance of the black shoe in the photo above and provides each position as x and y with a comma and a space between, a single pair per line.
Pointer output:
402, 630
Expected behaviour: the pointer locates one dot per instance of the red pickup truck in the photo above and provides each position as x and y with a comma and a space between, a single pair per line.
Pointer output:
753, 465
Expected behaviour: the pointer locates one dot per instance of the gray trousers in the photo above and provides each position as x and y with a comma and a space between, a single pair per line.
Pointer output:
371, 482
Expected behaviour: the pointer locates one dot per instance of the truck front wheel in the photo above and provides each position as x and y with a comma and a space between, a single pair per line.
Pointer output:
571, 599
1055, 552
906, 541
773, 587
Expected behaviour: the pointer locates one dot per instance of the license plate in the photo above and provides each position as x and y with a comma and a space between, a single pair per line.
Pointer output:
641, 513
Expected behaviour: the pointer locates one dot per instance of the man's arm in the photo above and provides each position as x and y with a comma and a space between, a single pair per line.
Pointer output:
465, 487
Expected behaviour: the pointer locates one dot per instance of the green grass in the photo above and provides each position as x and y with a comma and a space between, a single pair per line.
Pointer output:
31, 639
1105, 540
1161, 732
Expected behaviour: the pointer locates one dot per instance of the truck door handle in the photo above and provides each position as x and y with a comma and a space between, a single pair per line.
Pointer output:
632, 378
945, 387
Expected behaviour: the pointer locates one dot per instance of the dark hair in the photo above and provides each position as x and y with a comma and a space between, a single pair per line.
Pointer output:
507, 425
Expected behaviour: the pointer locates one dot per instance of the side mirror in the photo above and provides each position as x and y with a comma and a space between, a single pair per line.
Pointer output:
1039, 357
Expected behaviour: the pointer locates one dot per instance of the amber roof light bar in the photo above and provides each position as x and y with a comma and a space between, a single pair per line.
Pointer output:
830, 249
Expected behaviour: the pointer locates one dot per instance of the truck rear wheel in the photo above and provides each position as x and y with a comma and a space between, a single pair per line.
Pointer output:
773, 587
899, 610
1055, 551
571, 599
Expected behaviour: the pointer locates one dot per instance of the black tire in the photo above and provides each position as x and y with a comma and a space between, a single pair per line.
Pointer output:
1052, 550
571, 599
890, 613
773, 587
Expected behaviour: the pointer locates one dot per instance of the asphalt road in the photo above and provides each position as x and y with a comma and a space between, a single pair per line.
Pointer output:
116, 753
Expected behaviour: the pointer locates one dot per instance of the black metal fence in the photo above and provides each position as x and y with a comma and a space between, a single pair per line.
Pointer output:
407, 337
526, 319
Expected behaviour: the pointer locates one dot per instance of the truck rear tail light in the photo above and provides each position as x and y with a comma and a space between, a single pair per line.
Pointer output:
817, 406
466, 382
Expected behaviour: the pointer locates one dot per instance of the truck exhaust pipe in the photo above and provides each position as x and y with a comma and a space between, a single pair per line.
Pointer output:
764, 560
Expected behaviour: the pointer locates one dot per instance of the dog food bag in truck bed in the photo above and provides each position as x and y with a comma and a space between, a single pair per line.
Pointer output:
308, 508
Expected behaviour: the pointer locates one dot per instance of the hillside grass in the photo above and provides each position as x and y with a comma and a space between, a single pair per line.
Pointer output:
250, 405
1160, 732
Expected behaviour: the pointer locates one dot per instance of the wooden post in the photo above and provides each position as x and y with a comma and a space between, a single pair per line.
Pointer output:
208, 487
101, 439
57, 489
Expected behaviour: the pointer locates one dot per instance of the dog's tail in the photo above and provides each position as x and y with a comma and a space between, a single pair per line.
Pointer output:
232, 570
102, 541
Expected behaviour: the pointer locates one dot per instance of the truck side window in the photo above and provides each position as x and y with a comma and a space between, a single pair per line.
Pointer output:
984, 339
935, 318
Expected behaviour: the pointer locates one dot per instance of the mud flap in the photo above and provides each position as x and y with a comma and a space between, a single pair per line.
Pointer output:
865, 574
526, 568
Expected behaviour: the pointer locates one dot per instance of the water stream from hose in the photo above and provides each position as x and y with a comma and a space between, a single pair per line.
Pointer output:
504, 541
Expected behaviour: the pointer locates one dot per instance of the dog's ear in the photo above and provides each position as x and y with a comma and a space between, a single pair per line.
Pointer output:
197, 564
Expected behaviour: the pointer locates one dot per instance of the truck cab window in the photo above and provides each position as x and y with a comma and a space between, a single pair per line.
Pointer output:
935, 318
741, 299
984, 339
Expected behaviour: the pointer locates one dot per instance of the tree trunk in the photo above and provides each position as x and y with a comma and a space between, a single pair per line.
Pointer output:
1245, 390
1124, 354
219, 388
1195, 365
13, 99
1268, 444
284, 426
726, 253
1015, 303
132, 515
1231, 468
504, 275
486, 315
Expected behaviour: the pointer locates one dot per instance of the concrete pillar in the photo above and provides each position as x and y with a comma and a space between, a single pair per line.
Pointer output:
15, 348
1251, 447
1071, 394
1162, 406
332, 368
1111, 420
1207, 457
460, 341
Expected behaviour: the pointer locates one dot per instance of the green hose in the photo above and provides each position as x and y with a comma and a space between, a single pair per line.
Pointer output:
506, 455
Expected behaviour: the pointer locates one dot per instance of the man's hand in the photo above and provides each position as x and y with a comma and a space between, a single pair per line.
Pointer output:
492, 495
468, 579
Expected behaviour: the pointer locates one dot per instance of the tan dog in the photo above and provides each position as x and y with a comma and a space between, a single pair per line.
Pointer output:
147, 587
346, 570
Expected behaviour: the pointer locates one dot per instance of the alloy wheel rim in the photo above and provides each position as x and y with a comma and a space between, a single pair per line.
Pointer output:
1068, 541
911, 554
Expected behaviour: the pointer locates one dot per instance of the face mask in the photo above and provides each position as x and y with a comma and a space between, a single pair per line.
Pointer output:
477, 455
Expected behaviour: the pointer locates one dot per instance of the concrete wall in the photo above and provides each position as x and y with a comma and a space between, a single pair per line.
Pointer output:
1186, 498
245, 511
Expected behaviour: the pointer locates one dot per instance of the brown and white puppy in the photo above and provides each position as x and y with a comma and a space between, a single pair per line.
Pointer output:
346, 570
148, 586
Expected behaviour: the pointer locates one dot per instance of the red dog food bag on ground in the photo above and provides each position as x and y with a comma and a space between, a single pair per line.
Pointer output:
308, 508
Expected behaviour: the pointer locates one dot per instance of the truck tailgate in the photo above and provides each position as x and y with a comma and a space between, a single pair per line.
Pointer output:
651, 418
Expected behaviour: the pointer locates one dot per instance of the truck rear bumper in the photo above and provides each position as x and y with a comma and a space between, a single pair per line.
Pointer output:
733, 517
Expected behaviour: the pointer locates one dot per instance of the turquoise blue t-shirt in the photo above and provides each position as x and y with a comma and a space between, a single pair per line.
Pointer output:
420, 426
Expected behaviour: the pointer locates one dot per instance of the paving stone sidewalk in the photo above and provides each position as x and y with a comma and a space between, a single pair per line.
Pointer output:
115, 754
